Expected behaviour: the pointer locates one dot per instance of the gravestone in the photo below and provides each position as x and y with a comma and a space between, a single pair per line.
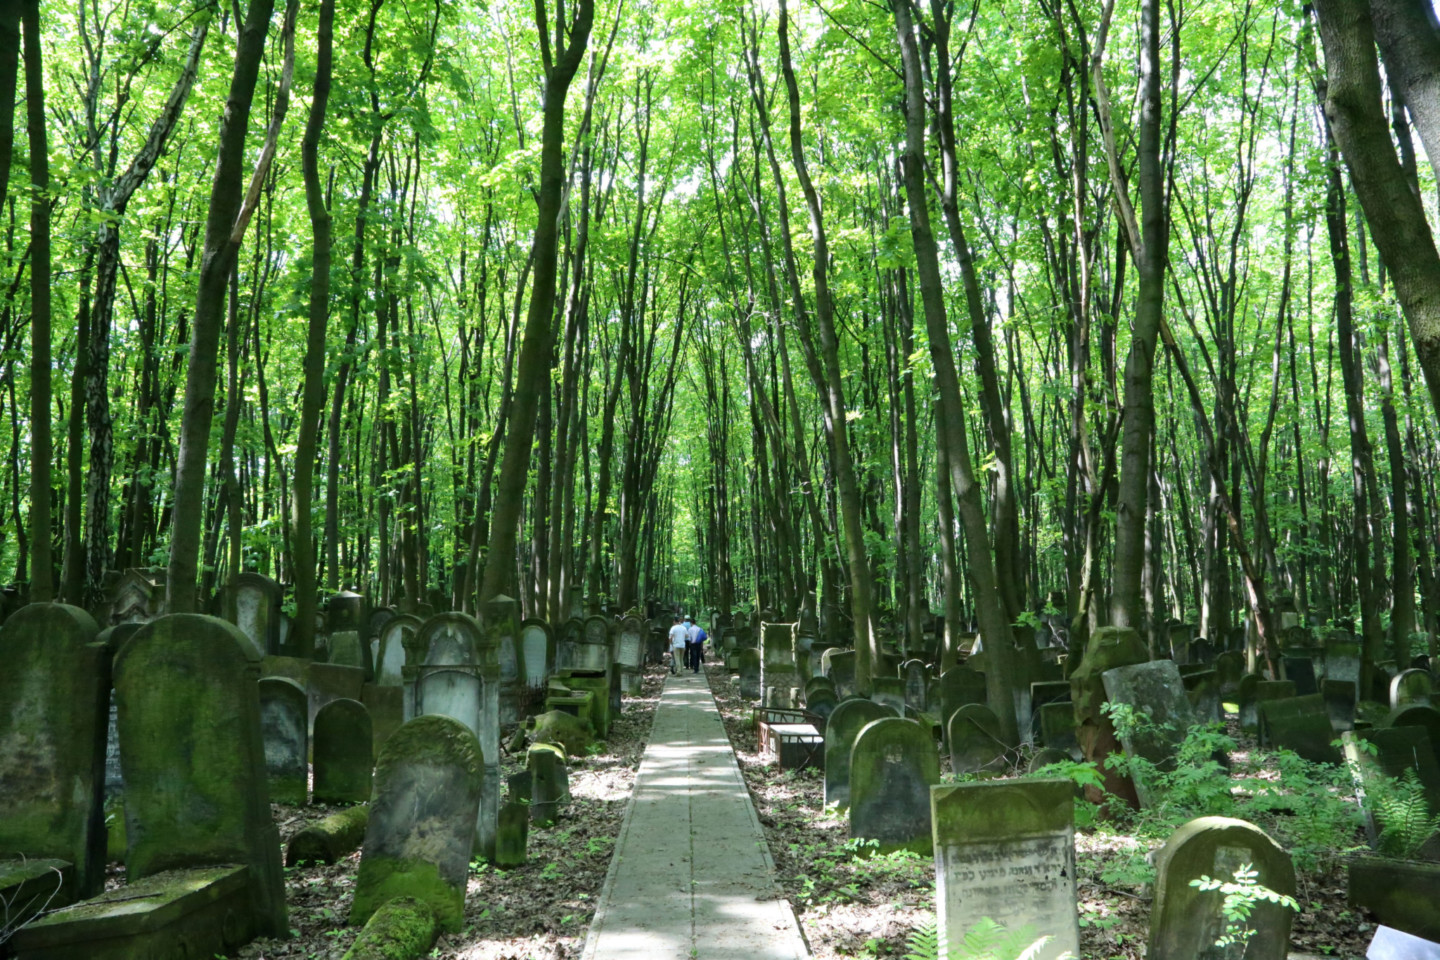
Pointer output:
889, 691
397, 649
1006, 850
1048, 756
630, 653
284, 725
1185, 921
777, 666
54, 708
1202, 687
1409, 687
423, 811
325, 682
1342, 658
839, 666
386, 706
821, 703
593, 651
257, 600
959, 686
846, 721
460, 679
974, 737
501, 619
1229, 668
1301, 672
1417, 715
572, 634
1057, 727
1394, 752
819, 684
1301, 724
193, 758
537, 651
344, 753
1156, 690
1339, 697
916, 677
511, 835
747, 665
138, 596
893, 765
1253, 691
549, 782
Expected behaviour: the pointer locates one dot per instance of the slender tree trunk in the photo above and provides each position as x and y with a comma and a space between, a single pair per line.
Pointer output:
41, 566
216, 263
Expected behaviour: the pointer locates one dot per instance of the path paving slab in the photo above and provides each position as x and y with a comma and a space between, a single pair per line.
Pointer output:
691, 878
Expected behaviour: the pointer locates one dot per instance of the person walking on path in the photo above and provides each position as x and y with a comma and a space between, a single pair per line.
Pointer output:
678, 637
695, 646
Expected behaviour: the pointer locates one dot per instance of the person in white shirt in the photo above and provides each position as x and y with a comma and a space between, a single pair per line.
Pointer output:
677, 645
695, 637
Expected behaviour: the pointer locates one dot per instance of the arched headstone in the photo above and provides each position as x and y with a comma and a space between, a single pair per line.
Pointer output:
344, 753
284, 712
893, 765
841, 729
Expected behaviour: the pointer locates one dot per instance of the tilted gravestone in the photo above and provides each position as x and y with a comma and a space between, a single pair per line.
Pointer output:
846, 721
1155, 691
839, 666
1253, 691
54, 708
344, 753
421, 831
973, 734
1006, 850
1186, 922
889, 691
283, 712
893, 765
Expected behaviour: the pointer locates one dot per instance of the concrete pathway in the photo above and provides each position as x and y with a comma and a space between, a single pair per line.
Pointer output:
692, 876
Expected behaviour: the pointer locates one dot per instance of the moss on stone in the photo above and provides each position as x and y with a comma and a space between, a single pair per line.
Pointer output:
382, 879
402, 929
330, 839
432, 739
559, 727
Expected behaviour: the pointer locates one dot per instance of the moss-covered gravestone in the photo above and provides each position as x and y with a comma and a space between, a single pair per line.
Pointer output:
973, 734
1109, 647
344, 753
511, 835
893, 765
1185, 921
283, 724
1417, 715
423, 809
846, 721
193, 757
1254, 689
1411, 686
840, 667
549, 782
889, 692
54, 712
1005, 850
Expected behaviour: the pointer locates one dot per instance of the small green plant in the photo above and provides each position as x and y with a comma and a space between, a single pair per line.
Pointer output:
1402, 815
986, 940
1242, 895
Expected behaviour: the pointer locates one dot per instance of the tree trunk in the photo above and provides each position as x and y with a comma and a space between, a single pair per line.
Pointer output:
41, 565
217, 260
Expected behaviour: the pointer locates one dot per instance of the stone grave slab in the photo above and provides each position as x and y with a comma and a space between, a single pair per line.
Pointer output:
284, 710
845, 723
344, 753
1006, 850
1301, 724
893, 764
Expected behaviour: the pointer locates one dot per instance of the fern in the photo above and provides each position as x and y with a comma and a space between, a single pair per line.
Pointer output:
1404, 817
986, 940
923, 943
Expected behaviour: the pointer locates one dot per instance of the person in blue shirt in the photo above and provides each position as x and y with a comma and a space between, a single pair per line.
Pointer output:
695, 638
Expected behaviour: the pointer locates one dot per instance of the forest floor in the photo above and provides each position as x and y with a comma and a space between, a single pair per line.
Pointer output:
851, 907
538, 911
